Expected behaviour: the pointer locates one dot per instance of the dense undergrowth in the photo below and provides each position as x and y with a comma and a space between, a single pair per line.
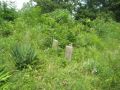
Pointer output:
31, 64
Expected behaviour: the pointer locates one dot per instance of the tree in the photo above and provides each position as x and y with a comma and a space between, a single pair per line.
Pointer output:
7, 13
82, 8
115, 8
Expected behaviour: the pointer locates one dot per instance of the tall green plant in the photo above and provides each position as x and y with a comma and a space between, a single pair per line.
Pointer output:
23, 55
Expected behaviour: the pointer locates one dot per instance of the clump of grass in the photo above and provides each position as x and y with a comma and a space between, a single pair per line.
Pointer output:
90, 67
4, 76
23, 55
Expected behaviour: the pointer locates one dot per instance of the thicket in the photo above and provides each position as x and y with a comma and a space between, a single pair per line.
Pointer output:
28, 62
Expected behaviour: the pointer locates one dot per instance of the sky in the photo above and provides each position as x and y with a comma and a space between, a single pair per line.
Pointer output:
18, 3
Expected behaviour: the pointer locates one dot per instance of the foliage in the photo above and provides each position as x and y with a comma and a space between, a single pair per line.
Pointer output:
4, 76
6, 29
23, 55
82, 8
7, 12
28, 54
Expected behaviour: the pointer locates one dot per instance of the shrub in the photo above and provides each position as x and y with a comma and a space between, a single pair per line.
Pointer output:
5, 32
6, 29
71, 37
23, 55
7, 12
60, 16
46, 42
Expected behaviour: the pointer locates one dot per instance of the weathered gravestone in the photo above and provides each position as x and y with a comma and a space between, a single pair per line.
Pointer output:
55, 44
68, 52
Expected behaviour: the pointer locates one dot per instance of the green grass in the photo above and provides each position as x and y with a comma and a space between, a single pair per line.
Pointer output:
95, 61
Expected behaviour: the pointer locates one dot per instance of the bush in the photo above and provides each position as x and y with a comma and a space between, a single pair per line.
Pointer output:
23, 55
6, 29
7, 12
5, 32
59, 16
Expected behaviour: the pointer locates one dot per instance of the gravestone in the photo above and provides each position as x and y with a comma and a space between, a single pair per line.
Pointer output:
55, 44
68, 52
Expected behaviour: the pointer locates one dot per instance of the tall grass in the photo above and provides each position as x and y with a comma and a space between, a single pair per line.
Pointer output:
23, 55
95, 60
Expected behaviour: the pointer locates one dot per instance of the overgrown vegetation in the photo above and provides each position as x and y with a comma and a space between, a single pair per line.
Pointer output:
28, 61
23, 55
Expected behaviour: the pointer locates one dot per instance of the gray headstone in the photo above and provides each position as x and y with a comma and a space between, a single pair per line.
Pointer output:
69, 52
55, 44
